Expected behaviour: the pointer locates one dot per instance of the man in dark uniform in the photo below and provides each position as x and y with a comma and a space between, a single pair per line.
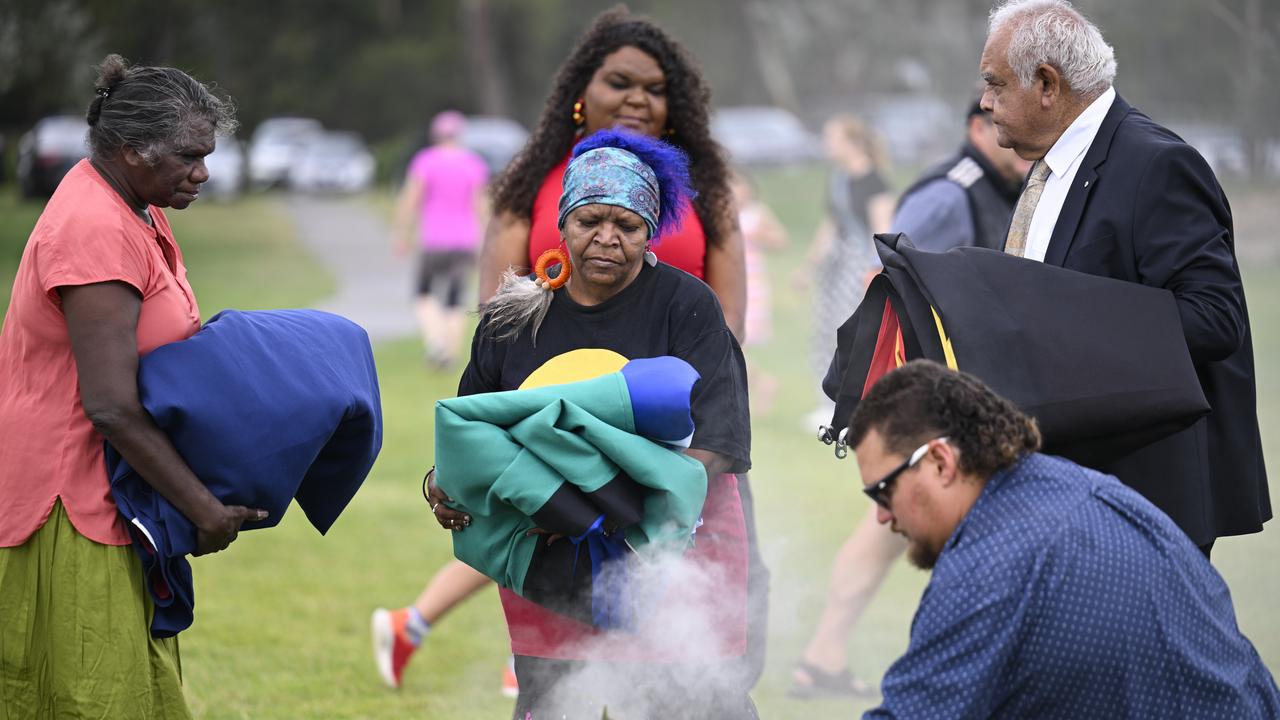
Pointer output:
967, 199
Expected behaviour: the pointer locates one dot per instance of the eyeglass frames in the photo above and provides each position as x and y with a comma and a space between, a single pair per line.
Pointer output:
879, 492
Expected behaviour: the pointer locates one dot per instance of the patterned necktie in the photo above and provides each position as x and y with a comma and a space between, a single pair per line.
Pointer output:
1016, 244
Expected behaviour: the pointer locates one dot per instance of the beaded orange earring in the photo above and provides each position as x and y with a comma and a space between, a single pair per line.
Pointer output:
578, 117
545, 260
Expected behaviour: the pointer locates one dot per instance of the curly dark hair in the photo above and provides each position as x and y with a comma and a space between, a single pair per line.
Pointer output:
923, 400
151, 109
688, 102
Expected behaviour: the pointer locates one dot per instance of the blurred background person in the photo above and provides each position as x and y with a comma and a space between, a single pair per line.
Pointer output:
841, 258
966, 200
625, 72
101, 282
443, 194
762, 233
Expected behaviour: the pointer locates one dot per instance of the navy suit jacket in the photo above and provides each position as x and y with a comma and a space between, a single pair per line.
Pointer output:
1145, 207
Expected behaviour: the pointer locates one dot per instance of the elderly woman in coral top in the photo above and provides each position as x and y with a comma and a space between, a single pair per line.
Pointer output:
100, 283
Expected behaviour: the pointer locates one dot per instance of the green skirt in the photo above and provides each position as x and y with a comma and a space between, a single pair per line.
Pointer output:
74, 632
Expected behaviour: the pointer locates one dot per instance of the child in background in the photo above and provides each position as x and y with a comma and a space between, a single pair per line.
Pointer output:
762, 233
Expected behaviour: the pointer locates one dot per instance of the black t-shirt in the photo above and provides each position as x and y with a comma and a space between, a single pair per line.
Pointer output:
664, 311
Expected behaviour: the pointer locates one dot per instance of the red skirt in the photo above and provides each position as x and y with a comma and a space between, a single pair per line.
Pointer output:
701, 616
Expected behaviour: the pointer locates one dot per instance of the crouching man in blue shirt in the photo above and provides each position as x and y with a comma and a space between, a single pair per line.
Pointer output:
1057, 592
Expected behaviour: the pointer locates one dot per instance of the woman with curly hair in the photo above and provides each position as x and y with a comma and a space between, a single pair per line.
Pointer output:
625, 72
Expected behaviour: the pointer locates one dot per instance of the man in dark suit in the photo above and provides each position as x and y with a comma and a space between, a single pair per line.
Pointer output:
1112, 193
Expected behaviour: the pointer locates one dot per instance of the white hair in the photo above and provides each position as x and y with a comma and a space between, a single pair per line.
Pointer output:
1053, 32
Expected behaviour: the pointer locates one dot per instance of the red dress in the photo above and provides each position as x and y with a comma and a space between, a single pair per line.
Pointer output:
721, 542
685, 249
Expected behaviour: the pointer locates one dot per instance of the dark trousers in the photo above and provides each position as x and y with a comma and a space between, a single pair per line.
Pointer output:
574, 689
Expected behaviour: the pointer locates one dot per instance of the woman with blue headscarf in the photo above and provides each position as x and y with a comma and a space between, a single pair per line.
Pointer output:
611, 297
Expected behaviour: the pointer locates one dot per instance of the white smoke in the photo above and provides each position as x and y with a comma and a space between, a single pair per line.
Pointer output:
685, 611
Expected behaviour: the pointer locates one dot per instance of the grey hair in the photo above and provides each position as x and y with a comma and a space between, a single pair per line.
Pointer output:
519, 303
150, 109
1053, 32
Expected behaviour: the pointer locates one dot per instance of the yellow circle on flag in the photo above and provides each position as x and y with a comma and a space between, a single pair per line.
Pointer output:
573, 366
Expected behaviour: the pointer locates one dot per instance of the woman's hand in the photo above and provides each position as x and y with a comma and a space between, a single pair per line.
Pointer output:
448, 518
220, 530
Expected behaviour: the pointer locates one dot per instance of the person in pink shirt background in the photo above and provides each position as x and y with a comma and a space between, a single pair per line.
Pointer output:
444, 196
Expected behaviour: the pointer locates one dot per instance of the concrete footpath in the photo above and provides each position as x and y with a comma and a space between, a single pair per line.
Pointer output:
375, 288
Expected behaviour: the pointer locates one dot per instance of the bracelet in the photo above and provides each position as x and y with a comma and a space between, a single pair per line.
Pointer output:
425, 479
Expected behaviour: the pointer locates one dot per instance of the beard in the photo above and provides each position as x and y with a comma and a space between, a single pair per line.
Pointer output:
922, 555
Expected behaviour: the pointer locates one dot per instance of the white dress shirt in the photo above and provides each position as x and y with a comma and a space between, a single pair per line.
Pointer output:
1064, 159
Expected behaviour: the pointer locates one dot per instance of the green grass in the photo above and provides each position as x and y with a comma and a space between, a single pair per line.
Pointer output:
281, 625
244, 255
16, 220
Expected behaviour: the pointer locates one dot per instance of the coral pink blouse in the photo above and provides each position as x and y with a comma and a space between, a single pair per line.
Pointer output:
48, 448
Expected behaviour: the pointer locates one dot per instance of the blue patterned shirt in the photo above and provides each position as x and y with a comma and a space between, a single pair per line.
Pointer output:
1065, 594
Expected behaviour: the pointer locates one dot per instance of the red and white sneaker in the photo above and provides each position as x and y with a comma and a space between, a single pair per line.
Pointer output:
391, 645
510, 686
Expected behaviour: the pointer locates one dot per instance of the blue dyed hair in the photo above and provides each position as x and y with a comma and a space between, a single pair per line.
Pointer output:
669, 164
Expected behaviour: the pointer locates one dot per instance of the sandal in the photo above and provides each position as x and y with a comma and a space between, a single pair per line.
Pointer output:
808, 682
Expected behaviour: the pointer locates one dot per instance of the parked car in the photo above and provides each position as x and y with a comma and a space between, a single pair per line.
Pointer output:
917, 128
226, 170
1222, 146
496, 139
764, 136
333, 161
48, 152
275, 148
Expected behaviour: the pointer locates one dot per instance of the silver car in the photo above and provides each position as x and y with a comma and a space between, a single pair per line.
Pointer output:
276, 146
333, 161
764, 136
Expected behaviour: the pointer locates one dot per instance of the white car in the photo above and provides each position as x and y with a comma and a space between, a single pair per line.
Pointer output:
496, 139
275, 148
334, 161
226, 170
48, 152
764, 136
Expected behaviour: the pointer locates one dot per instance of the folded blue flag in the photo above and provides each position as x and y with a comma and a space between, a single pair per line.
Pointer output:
264, 407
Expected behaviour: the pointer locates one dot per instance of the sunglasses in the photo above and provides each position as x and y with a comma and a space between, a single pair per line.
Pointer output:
879, 492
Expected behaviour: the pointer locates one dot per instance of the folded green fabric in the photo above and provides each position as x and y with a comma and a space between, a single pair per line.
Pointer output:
563, 453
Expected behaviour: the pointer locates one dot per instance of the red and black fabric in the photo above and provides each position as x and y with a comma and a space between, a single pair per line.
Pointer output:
1100, 363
